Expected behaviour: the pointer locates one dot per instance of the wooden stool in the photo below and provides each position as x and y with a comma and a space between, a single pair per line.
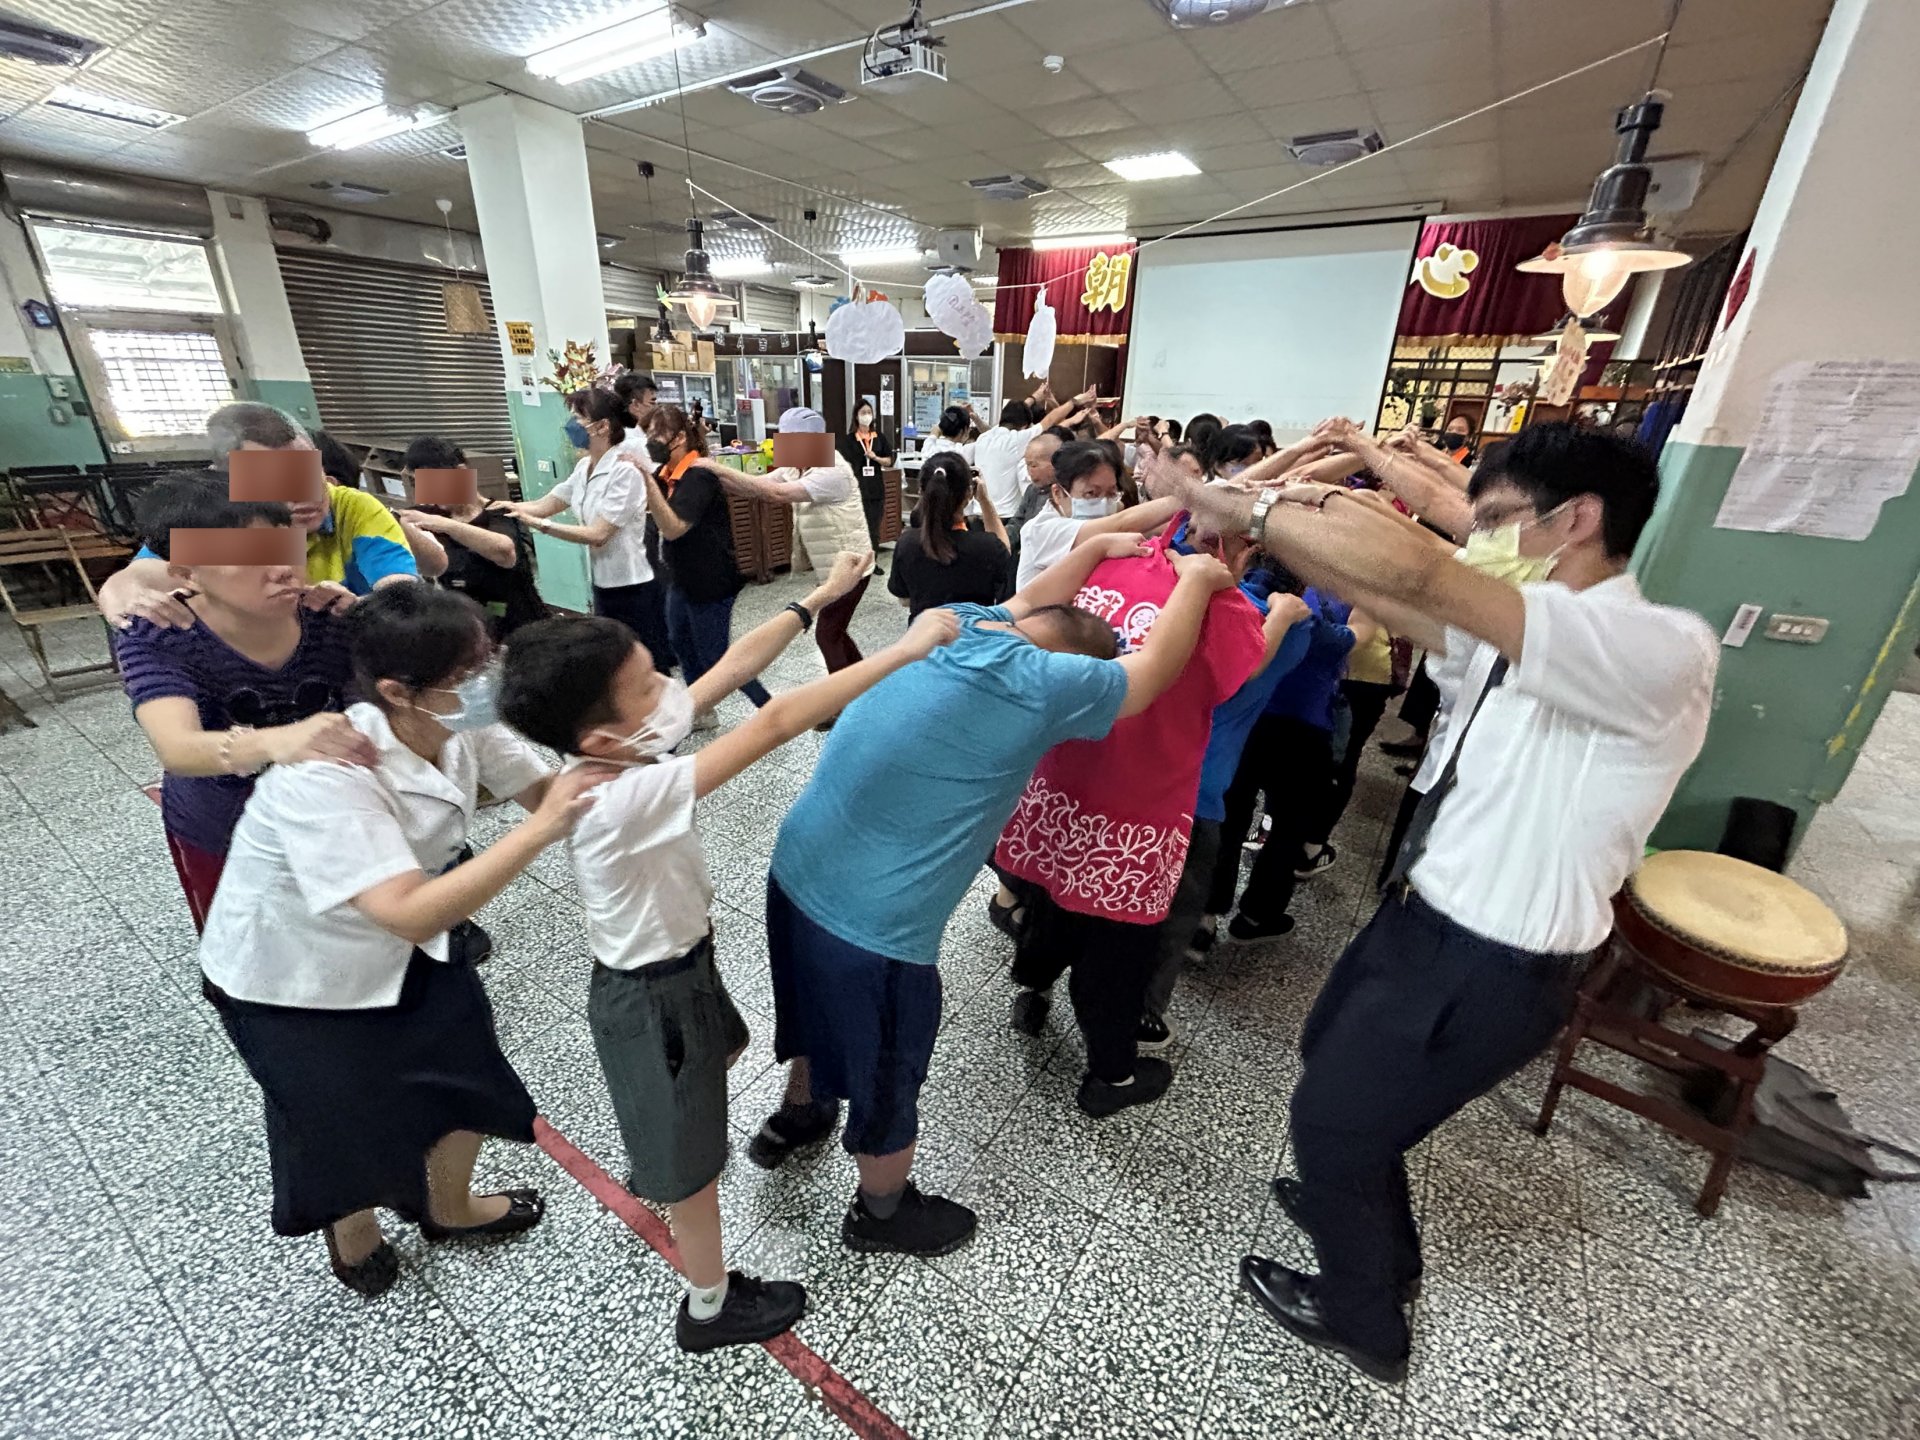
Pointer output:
1720, 934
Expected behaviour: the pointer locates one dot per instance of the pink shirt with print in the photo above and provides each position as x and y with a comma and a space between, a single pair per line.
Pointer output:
1103, 825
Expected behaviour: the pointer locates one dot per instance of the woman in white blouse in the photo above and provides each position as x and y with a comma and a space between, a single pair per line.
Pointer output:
608, 491
326, 950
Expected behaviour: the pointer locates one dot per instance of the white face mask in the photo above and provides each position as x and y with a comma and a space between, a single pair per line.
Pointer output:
1095, 507
670, 723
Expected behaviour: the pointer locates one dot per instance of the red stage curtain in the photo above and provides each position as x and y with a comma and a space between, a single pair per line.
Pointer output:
1065, 272
1500, 300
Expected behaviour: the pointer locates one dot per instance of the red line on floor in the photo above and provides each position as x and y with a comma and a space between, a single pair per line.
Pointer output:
805, 1364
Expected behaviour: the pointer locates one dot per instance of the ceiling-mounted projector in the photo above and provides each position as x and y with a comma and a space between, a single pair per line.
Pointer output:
900, 51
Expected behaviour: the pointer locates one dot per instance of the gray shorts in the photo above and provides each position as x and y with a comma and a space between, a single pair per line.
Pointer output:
664, 1034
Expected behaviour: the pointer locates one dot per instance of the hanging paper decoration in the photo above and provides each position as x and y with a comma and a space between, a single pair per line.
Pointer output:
1569, 360
956, 311
1041, 335
1443, 274
865, 332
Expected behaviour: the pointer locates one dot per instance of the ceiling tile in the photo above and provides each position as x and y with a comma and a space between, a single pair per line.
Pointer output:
1317, 117
1076, 29
1295, 81
347, 19
54, 135
1083, 118
112, 21
1362, 24
1189, 100
398, 78
1455, 59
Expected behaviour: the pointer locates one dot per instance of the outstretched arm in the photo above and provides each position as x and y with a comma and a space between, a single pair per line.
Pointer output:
1061, 581
795, 712
761, 646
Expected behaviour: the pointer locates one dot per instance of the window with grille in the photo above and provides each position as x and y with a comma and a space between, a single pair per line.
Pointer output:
161, 382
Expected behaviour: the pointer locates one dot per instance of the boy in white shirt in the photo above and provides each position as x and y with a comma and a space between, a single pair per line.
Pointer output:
663, 1025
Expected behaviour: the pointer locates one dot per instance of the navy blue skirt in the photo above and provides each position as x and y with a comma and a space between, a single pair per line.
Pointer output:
356, 1098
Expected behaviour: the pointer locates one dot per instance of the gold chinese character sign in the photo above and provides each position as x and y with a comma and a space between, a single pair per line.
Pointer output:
1107, 277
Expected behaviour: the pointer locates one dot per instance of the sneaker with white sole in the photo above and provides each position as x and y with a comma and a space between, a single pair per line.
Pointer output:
754, 1311
1154, 1034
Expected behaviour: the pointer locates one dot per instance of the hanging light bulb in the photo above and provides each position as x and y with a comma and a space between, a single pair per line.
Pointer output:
696, 289
1611, 243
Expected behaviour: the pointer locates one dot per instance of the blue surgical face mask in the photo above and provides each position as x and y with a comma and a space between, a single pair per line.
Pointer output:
476, 694
577, 434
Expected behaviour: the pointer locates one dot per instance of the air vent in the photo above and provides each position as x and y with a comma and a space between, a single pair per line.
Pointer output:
1211, 14
789, 90
455, 152
349, 193
739, 220
1336, 147
1009, 187
38, 45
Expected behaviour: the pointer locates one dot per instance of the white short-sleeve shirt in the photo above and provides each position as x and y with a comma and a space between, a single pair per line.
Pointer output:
1001, 455
636, 858
1568, 765
613, 490
283, 929
935, 444
827, 484
1045, 538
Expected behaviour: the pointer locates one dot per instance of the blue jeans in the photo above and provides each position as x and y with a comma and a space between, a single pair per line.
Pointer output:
701, 632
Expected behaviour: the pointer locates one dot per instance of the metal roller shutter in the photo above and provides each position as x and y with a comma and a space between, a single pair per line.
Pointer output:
384, 368
770, 309
629, 293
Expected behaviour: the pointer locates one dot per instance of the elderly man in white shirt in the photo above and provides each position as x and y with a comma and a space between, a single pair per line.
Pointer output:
999, 454
1581, 705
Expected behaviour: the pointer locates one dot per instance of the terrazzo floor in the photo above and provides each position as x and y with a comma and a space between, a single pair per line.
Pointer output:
1570, 1288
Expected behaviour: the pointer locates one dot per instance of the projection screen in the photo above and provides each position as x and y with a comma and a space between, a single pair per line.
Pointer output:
1289, 326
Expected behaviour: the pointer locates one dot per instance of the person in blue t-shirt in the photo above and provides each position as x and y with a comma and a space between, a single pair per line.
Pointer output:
1289, 758
1187, 930
917, 781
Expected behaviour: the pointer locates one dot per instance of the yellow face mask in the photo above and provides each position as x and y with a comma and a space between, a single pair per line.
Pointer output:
1496, 552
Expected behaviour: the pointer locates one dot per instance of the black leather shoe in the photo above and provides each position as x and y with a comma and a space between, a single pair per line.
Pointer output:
1029, 1011
373, 1274
1288, 1297
525, 1209
1286, 1192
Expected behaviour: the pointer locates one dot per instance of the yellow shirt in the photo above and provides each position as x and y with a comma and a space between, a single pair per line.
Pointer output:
360, 544
1372, 663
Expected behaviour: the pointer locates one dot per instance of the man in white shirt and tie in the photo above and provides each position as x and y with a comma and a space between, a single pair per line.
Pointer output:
1581, 706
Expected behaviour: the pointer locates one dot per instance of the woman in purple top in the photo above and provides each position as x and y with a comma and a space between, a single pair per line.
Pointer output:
259, 679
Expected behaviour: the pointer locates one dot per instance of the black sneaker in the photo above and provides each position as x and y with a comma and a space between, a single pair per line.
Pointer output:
923, 1225
1029, 1014
1151, 1078
791, 1128
1154, 1034
1307, 869
1405, 749
468, 943
1243, 928
754, 1310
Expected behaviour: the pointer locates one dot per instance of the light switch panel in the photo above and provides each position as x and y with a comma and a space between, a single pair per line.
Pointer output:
1796, 629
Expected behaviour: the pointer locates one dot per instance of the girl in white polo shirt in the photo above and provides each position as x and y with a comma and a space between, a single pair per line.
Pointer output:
326, 948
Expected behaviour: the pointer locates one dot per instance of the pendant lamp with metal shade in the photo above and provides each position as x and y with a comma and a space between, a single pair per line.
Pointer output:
1611, 242
1597, 332
696, 289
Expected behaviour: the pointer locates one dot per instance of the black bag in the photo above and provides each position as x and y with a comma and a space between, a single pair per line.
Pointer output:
1799, 1127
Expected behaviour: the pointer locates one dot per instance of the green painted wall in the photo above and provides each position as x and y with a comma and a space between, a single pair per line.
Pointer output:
28, 435
1788, 719
538, 436
295, 397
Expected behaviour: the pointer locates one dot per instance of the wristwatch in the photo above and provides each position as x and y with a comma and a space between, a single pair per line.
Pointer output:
1257, 524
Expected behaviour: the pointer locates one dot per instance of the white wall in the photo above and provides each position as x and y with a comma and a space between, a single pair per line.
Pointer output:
261, 319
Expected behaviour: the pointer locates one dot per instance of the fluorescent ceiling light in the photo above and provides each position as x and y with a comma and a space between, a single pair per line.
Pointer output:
985, 281
105, 107
659, 31
732, 267
381, 122
883, 255
813, 282
1078, 242
1162, 166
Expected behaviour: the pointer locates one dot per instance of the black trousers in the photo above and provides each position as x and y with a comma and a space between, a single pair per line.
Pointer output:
1108, 963
1422, 702
1418, 1017
1366, 703
1292, 762
642, 609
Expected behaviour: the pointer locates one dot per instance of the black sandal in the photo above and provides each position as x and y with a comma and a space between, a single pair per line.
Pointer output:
525, 1210
373, 1275
1007, 919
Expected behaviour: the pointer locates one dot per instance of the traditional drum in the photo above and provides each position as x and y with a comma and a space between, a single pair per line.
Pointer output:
1729, 930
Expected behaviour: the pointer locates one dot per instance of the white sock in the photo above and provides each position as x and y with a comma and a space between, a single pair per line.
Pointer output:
704, 1302
1121, 1084
1313, 849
